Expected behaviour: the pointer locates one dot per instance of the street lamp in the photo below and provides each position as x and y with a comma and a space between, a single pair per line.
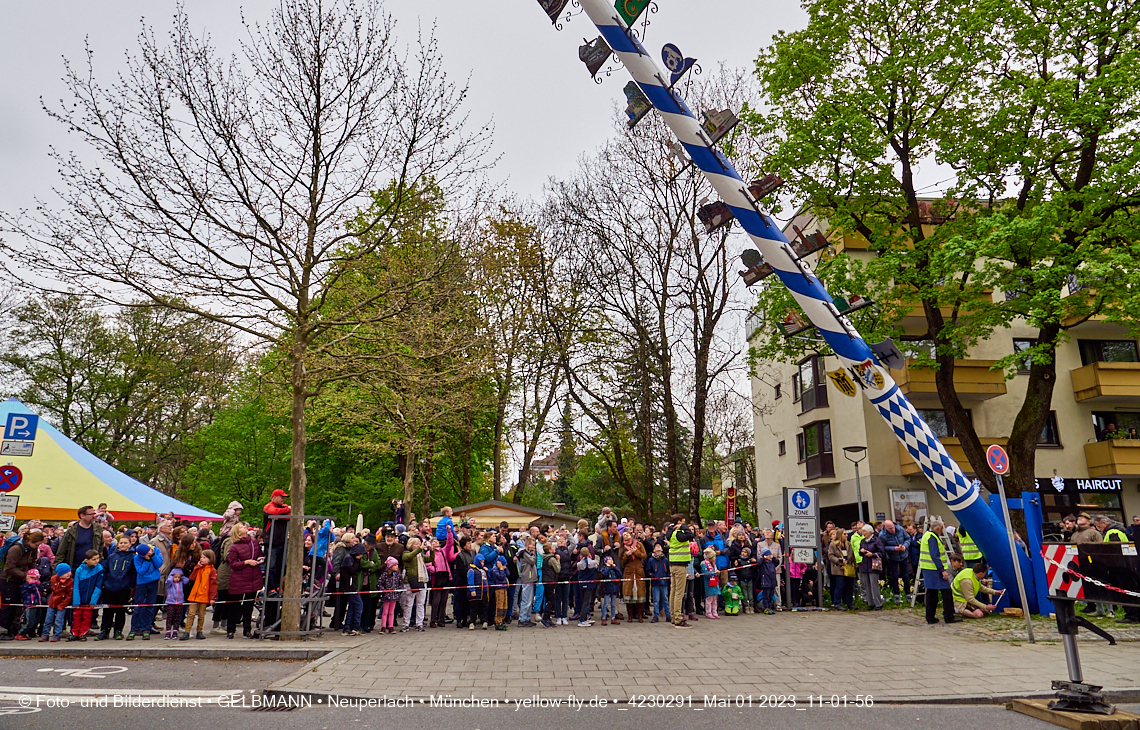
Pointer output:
850, 453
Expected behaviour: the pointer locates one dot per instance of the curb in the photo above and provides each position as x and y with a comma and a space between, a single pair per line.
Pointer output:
279, 690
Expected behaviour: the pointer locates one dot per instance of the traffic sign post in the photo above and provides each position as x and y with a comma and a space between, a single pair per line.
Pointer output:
7, 523
9, 503
999, 464
801, 528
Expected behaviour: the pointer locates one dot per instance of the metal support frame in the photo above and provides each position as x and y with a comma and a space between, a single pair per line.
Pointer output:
312, 598
1075, 695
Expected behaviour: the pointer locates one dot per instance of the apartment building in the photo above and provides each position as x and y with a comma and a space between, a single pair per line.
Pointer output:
808, 433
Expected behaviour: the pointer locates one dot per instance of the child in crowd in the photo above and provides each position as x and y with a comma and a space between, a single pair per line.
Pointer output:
203, 593
611, 585
768, 581
32, 593
745, 575
118, 581
389, 585
499, 579
732, 595
711, 579
103, 518
61, 585
587, 573
657, 570
148, 571
477, 590
445, 525
175, 601
85, 594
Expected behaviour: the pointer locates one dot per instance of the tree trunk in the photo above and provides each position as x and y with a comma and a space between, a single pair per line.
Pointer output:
500, 417
1031, 419
956, 414
409, 483
672, 460
295, 541
465, 470
700, 406
429, 466
645, 425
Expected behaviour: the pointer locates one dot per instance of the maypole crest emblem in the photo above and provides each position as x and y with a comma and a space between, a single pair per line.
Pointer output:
868, 375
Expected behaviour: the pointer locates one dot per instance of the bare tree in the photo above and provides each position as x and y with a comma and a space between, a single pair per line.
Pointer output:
226, 183
661, 290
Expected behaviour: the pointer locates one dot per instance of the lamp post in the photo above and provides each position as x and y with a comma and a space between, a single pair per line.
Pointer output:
850, 452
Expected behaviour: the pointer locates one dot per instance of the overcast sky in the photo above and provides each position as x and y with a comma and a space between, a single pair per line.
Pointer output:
524, 74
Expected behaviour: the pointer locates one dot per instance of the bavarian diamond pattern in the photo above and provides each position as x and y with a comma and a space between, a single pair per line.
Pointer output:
925, 447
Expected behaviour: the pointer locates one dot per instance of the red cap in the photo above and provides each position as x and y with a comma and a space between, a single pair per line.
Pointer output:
774, 522
280, 493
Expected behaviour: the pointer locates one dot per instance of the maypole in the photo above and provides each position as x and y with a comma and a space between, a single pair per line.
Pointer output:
960, 494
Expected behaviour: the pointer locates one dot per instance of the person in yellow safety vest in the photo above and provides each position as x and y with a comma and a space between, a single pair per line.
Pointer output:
935, 573
966, 586
680, 555
971, 553
1114, 532
854, 540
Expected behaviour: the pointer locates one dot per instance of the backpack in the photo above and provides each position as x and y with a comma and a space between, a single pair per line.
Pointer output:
4, 548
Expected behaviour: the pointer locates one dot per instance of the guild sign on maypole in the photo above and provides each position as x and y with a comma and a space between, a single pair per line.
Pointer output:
651, 87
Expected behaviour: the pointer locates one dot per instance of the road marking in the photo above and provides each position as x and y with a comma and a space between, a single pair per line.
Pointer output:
87, 672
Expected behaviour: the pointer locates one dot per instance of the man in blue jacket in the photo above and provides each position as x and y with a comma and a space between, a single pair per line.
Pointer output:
896, 544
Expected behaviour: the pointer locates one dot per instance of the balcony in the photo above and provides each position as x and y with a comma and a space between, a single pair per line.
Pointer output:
973, 380
953, 447
1118, 457
1102, 381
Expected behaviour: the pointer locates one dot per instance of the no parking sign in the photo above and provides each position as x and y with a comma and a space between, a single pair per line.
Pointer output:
10, 478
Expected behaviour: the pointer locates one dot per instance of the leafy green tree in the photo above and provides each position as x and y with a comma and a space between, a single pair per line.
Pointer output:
1033, 107
130, 385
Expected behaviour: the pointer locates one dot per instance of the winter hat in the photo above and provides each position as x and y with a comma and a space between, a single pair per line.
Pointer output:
45, 551
62, 569
391, 562
357, 549
401, 529
775, 523
766, 553
33, 574
142, 549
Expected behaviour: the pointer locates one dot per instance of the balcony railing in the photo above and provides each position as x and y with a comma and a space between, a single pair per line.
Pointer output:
1107, 381
953, 447
1116, 457
973, 380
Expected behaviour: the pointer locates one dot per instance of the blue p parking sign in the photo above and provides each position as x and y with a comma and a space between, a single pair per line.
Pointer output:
21, 427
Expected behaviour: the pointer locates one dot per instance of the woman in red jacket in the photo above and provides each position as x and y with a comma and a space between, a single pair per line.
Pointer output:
246, 580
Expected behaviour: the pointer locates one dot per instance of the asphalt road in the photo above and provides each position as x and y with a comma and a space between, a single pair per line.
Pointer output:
72, 693
887, 717
181, 674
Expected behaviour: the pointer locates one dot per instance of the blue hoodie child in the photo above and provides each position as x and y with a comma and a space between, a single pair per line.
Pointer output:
147, 570
611, 578
477, 579
445, 523
88, 585
120, 575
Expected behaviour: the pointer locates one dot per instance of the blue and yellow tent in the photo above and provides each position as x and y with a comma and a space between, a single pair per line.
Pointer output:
60, 477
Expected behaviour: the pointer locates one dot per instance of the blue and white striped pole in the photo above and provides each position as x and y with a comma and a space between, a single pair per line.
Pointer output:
952, 485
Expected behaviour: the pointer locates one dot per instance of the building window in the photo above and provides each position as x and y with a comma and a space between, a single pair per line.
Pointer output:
779, 392
782, 448
936, 419
800, 447
1122, 421
1050, 436
812, 381
816, 449
1108, 351
796, 387
1021, 345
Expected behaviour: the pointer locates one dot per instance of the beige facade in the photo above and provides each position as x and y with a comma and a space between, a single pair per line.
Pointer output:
1087, 394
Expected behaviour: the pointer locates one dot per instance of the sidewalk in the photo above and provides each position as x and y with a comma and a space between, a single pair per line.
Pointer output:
789, 653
